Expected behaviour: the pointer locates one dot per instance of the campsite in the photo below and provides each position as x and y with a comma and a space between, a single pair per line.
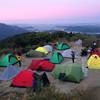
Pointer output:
49, 49
51, 67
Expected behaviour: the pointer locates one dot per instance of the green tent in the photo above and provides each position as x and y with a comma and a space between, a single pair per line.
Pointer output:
62, 46
56, 58
72, 72
33, 53
7, 60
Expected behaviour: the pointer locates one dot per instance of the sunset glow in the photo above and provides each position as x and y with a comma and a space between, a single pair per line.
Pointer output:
49, 10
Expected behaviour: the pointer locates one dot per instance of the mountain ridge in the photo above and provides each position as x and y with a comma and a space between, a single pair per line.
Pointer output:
9, 30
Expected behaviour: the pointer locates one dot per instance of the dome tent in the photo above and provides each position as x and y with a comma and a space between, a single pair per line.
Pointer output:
49, 48
56, 58
7, 60
62, 46
9, 72
42, 65
71, 72
96, 51
94, 62
33, 53
42, 50
68, 53
23, 79
78, 42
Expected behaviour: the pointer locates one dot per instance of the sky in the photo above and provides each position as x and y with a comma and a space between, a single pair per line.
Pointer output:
50, 11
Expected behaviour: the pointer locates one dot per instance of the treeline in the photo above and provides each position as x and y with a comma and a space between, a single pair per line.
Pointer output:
41, 38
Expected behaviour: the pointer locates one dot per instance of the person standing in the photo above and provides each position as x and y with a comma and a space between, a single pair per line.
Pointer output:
19, 58
93, 46
73, 56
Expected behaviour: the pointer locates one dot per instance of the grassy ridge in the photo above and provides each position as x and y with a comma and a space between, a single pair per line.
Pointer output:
41, 38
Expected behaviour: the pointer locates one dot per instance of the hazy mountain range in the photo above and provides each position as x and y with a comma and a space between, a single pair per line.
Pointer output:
10, 30
89, 29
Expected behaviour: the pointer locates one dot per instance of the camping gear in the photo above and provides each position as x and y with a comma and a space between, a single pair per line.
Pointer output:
9, 73
45, 79
40, 81
41, 49
23, 79
94, 62
62, 46
41, 65
7, 60
49, 48
37, 83
56, 58
70, 72
33, 53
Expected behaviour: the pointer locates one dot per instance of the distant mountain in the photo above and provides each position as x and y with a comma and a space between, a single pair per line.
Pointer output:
89, 29
10, 30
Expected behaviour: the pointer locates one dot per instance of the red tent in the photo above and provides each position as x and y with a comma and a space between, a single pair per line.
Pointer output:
96, 51
35, 64
43, 65
23, 79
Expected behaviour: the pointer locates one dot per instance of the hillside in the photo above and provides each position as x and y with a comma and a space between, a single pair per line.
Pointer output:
41, 38
9, 30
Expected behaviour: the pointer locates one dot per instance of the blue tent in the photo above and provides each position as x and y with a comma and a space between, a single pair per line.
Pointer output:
9, 73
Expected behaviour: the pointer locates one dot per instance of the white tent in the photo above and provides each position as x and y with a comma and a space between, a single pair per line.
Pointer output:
49, 48
78, 42
67, 53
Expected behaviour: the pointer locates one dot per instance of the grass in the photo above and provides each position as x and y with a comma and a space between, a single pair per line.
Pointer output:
50, 93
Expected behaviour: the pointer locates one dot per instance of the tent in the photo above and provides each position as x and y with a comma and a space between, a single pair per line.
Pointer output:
94, 62
62, 46
7, 60
41, 49
23, 79
70, 72
67, 53
56, 58
9, 73
96, 51
49, 48
43, 65
33, 53
78, 42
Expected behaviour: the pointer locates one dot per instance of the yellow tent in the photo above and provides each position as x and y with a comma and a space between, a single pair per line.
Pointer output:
41, 49
94, 62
